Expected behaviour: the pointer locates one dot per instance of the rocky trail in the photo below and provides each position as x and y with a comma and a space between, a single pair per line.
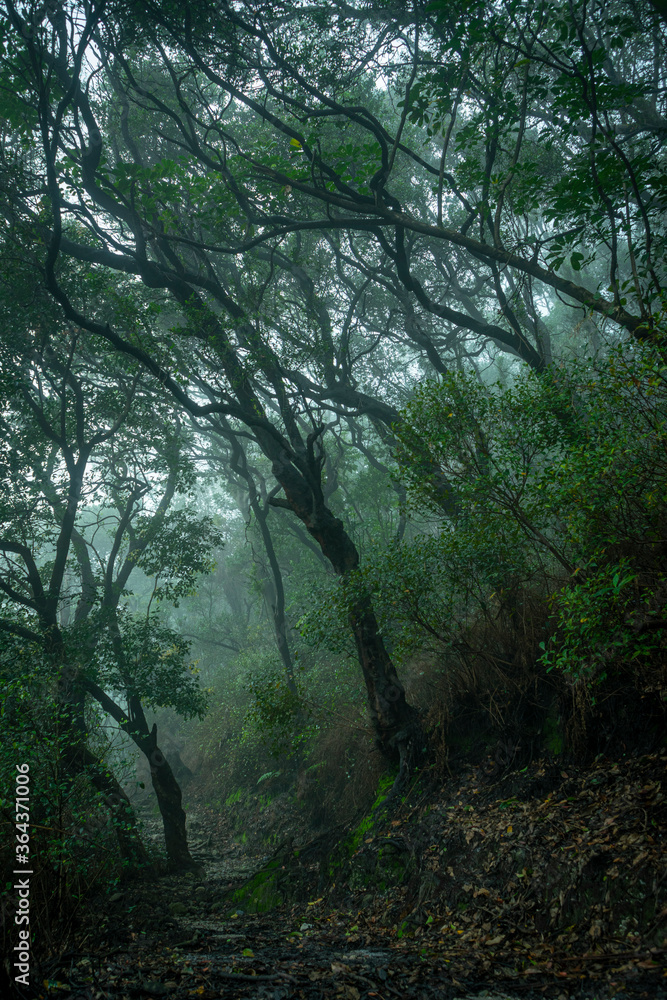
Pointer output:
546, 885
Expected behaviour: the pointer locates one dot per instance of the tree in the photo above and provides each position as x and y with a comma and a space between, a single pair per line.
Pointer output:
296, 457
445, 185
80, 518
48, 438
140, 656
480, 84
251, 500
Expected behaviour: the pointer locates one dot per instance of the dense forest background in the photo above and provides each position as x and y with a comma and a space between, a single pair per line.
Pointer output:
333, 436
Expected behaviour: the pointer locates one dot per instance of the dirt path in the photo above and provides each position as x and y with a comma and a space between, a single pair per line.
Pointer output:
445, 903
180, 937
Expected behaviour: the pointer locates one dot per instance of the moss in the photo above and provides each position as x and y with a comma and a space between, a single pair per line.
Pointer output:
392, 865
354, 841
261, 894
366, 869
552, 735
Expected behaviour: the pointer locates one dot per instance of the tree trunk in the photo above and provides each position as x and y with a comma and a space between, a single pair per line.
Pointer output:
169, 799
274, 591
396, 723
167, 790
274, 595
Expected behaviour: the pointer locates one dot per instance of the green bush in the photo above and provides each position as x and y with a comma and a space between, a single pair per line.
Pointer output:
72, 831
560, 481
552, 556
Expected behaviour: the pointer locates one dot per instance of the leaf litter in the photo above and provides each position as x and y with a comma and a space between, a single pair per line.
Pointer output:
550, 883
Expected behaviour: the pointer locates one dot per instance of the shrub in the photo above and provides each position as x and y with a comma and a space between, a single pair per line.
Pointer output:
551, 559
71, 831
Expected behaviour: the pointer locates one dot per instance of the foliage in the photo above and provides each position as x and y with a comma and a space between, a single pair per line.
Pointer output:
286, 248
554, 553
178, 553
600, 621
71, 831
155, 664
276, 713
560, 481
283, 251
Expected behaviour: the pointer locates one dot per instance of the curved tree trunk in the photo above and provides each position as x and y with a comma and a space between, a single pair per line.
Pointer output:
166, 787
169, 799
396, 722
274, 593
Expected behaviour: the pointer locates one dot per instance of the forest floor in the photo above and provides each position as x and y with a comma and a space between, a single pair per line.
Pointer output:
548, 883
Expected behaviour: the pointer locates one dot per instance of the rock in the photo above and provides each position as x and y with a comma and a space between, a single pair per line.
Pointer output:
178, 909
305, 927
